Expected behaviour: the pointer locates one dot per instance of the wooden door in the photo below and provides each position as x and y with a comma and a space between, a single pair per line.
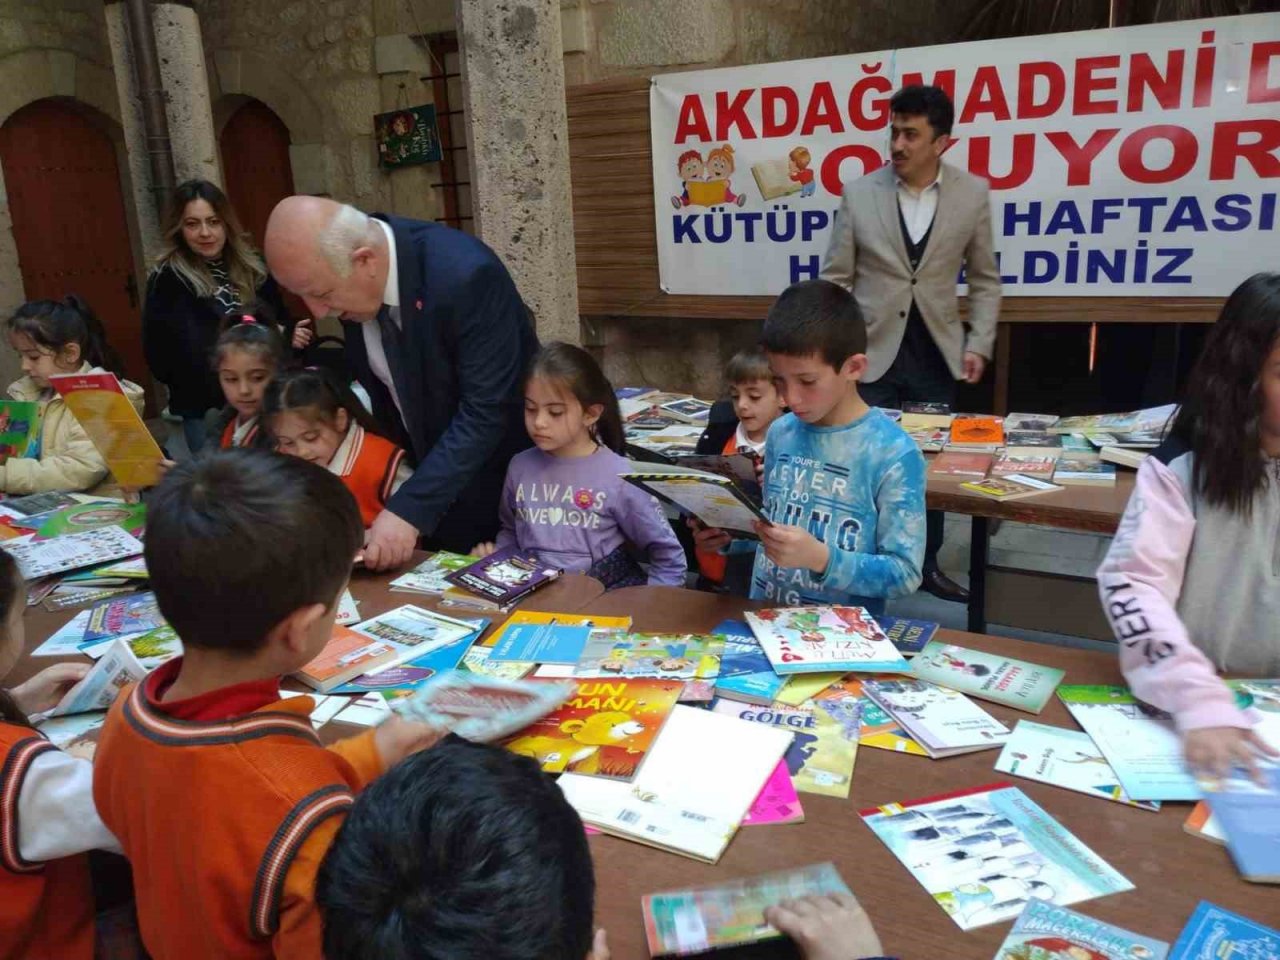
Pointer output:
69, 223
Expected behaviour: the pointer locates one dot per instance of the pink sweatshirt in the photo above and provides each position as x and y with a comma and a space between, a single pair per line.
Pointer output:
1191, 589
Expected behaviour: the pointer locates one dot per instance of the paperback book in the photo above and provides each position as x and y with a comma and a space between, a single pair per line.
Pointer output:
101, 685
1029, 422
1074, 472
413, 673
983, 854
777, 801
476, 660
844, 701
1216, 934
824, 640
976, 432
521, 619
412, 632
1047, 932
715, 500
504, 576
1248, 814
1022, 443
429, 576
43, 558
944, 722
34, 503
745, 672
479, 708
822, 754
909, 636
19, 428
347, 655
662, 656
136, 613
1015, 486
550, 642
956, 463
1039, 467
988, 676
113, 425
130, 517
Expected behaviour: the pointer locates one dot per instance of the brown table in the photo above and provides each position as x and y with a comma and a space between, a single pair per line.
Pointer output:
1171, 870
1087, 508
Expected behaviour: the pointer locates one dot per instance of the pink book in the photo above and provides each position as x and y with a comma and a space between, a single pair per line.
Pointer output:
778, 802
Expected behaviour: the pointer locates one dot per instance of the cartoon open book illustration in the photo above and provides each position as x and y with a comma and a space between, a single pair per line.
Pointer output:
773, 177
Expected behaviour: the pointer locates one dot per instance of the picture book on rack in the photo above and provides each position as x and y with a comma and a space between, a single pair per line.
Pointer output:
824, 639
1047, 932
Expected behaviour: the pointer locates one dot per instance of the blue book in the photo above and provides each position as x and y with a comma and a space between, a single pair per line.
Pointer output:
745, 672
1046, 930
1214, 934
1249, 815
541, 643
414, 673
909, 636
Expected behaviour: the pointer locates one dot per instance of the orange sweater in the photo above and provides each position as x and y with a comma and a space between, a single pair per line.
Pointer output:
46, 909
368, 467
226, 823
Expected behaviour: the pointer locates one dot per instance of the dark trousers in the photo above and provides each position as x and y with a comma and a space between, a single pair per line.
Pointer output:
918, 373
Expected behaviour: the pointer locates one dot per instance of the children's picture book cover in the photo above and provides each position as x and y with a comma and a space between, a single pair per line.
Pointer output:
413, 673
477, 707
822, 754
130, 517
523, 618
777, 802
156, 647
745, 672
1213, 933
429, 576
909, 636
603, 729
504, 576
552, 642
944, 722
985, 853
844, 701
113, 425
802, 687
824, 639
347, 655
19, 428
988, 676
1139, 742
413, 631
44, 558
476, 660
663, 656
1249, 815
1064, 758
1044, 931
137, 613
679, 923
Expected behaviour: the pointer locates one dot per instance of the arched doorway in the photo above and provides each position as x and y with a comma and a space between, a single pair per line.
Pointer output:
69, 227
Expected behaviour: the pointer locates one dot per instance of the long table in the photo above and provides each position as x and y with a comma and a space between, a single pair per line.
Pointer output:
1171, 871
1092, 509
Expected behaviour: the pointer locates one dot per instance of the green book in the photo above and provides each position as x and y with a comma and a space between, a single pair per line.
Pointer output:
19, 428
987, 676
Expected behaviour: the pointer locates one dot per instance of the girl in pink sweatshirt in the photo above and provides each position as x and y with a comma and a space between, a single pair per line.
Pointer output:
1191, 584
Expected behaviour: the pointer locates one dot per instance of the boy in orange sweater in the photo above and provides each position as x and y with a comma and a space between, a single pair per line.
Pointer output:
218, 790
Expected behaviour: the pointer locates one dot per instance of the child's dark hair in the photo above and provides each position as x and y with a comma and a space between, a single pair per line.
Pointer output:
575, 368
747, 366
52, 324
12, 590
317, 393
239, 539
458, 852
1220, 417
932, 103
815, 317
252, 336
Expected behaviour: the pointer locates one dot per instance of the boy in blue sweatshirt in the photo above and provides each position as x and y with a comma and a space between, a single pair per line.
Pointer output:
844, 486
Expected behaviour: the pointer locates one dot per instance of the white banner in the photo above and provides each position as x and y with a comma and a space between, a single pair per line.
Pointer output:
1143, 161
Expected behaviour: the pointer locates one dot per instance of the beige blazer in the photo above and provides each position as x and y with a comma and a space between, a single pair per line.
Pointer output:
868, 257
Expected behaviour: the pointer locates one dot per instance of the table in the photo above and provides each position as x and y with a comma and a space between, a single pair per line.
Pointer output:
1087, 508
1171, 870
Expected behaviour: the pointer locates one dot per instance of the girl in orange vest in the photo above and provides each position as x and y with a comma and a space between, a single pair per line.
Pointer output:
313, 415
246, 357
48, 822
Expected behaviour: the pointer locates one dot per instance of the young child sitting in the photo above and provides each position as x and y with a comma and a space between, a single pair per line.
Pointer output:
47, 817
1190, 582
564, 499
218, 789
56, 337
313, 415
843, 485
246, 357
467, 850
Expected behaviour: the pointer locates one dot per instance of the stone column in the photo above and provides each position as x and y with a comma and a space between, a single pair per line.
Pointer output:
518, 142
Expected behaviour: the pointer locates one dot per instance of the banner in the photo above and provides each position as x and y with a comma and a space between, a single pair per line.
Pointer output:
1143, 161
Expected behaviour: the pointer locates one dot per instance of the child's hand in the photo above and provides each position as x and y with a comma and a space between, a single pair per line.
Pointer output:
708, 539
47, 688
792, 547
833, 927
1213, 751
599, 947
483, 550
303, 334
166, 466
397, 737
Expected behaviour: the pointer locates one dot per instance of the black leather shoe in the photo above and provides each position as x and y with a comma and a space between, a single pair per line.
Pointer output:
943, 587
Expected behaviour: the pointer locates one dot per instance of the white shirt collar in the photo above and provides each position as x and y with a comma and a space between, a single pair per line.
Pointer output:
391, 295
344, 457
902, 184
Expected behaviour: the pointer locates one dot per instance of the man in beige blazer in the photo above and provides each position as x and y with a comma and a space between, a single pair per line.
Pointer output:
900, 239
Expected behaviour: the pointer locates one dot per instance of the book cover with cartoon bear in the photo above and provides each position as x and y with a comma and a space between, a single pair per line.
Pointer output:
603, 730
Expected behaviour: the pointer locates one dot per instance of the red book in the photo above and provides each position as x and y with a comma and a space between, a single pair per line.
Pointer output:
952, 463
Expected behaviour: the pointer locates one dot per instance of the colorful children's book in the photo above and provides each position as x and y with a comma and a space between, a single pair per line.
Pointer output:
347, 655
777, 801
956, 463
909, 636
98, 690
684, 922
476, 660
540, 642
480, 708
824, 640
1064, 758
986, 852
134, 568
130, 517
988, 676
802, 687
413, 673
745, 672
19, 428
1015, 486
1076, 472
1216, 934
153, 648
413, 632
505, 576
136, 613
1138, 741
1203, 824
844, 701
942, 721
429, 576
1047, 932
822, 753
698, 782
976, 432
715, 500
526, 618
36, 503
1249, 815
44, 558
603, 728
108, 417
664, 656
1038, 467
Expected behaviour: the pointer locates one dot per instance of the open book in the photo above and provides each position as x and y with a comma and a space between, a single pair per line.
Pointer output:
715, 500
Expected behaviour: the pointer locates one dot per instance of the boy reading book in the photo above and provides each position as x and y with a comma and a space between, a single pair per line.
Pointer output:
219, 791
470, 851
843, 485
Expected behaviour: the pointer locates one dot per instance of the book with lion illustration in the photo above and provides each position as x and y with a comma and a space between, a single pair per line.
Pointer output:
603, 730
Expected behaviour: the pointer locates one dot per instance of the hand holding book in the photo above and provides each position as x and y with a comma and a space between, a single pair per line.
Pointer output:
1213, 751
830, 927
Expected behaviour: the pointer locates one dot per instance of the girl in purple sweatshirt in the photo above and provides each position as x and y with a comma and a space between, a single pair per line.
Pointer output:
564, 500
1191, 584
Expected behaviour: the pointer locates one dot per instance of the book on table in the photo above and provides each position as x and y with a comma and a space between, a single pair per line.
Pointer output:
1015, 486
687, 410
1046, 932
955, 463
1074, 472
1025, 443
987, 676
746, 674
522, 619
1150, 420
773, 178
479, 708
822, 754
976, 432
504, 577
715, 500
928, 439
73, 551
399, 678
944, 722
98, 689
429, 576
909, 636
1248, 813
844, 701
1076, 446
412, 632
19, 428
1202, 823
1213, 933
130, 517
34, 503
347, 655
930, 416
1123, 456
133, 614
1039, 467
659, 656
1029, 422
823, 639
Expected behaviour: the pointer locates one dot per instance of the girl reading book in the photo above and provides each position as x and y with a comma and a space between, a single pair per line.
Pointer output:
564, 500
313, 415
245, 358
48, 817
55, 337
1191, 584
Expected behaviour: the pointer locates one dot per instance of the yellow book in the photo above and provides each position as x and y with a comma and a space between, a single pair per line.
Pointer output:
805, 686
107, 416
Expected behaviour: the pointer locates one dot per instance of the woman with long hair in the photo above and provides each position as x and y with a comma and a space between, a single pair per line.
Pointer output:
208, 277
